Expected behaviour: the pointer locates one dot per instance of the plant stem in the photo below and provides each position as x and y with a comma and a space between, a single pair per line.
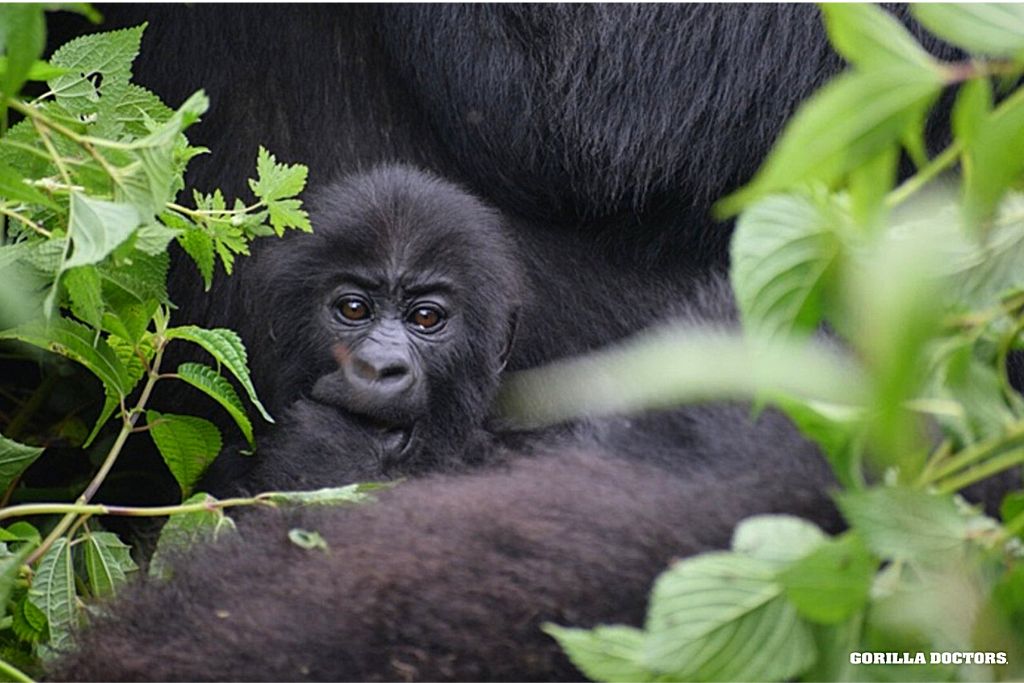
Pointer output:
1013, 436
12, 673
25, 221
99, 509
982, 471
128, 424
915, 182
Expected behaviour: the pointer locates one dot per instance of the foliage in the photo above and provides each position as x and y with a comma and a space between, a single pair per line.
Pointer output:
924, 283
91, 201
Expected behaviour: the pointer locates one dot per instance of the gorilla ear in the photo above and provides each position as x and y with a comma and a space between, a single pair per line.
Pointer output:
511, 329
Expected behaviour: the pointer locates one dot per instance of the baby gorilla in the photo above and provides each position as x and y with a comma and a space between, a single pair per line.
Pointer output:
388, 327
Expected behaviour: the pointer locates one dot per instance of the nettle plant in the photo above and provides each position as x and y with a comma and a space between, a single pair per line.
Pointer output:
91, 177
923, 283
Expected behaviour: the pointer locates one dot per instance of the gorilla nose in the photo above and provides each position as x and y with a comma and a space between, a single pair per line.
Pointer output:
384, 374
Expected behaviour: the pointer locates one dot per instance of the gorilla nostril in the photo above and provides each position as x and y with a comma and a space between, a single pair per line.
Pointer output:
393, 372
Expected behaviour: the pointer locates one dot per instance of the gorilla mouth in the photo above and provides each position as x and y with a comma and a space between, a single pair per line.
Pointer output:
394, 438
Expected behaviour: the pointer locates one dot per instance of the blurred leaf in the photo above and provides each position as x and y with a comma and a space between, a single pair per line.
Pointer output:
10, 568
185, 531
972, 107
97, 227
108, 562
605, 653
39, 71
53, 592
776, 539
227, 348
15, 459
838, 431
187, 444
979, 28
995, 159
722, 617
831, 583
678, 365
847, 123
13, 187
784, 252
153, 238
307, 540
871, 38
906, 524
22, 39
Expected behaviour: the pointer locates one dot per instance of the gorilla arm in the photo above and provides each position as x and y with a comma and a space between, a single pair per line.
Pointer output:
448, 577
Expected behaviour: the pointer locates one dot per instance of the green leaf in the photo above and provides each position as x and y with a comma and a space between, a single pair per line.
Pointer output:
831, 583
722, 617
871, 38
836, 429
776, 539
979, 28
153, 238
21, 532
340, 495
77, 342
994, 159
53, 592
784, 255
13, 187
277, 181
972, 106
227, 348
10, 568
28, 622
97, 227
307, 540
109, 55
108, 562
199, 245
1012, 507
210, 382
22, 39
906, 524
86, 292
287, 213
187, 444
39, 71
676, 365
15, 459
184, 531
606, 653
848, 122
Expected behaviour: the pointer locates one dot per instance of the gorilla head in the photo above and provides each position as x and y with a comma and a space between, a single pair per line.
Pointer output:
390, 325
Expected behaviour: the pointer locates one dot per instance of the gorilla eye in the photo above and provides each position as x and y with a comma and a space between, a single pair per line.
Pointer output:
427, 318
353, 309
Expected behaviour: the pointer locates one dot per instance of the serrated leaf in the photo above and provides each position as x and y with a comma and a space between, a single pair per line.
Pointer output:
210, 382
108, 562
184, 531
832, 582
187, 444
980, 28
287, 213
85, 290
777, 539
339, 495
199, 245
277, 181
14, 188
77, 342
53, 592
605, 653
871, 38
142, 277
47, 256
28, 621
97, 227
140, 107
722, 617
108, 54
22, 39
905, 524
846, 123
153, 238
15, 459
784, 255
227, 348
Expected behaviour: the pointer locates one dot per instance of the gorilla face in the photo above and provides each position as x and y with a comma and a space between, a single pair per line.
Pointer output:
397, 313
